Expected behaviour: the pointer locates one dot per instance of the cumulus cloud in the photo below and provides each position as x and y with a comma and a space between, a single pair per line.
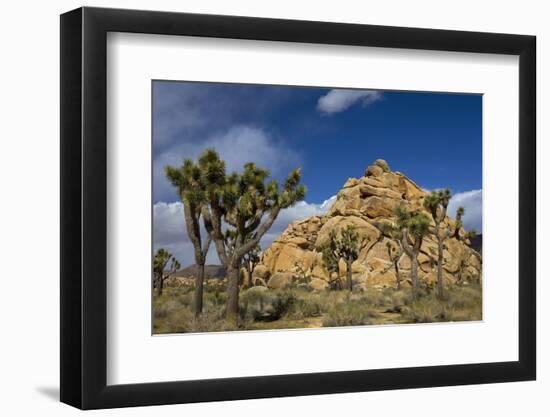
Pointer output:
472, 203
169, 232
236, 146
338, 100
169, 228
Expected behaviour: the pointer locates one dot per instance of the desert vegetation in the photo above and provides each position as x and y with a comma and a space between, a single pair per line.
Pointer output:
298, 306
386, 252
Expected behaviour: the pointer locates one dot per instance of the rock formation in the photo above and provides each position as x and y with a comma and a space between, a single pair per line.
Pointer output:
364, 203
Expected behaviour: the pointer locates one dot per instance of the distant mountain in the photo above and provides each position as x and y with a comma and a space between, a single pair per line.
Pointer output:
477, 243
210, 271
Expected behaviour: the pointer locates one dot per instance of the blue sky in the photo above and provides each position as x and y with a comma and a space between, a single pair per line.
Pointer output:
433, 138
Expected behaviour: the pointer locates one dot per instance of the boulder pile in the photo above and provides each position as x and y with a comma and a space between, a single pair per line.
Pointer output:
364, 203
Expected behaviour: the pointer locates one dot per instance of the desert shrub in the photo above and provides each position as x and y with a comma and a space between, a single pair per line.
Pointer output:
465, 302
373, 297
397, 299
352, 313
215, 297
265, 305
185, 299
426, 311
212, 320
163, 308
305, 305
461, 303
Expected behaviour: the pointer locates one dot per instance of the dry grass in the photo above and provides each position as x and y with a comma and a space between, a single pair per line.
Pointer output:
300, 307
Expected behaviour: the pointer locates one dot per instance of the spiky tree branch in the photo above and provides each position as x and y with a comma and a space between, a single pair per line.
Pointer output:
249, 205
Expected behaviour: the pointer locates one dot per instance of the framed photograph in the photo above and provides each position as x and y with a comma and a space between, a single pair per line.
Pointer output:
257, 208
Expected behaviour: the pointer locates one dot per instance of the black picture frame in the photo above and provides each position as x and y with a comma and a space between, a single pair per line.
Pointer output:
84, 207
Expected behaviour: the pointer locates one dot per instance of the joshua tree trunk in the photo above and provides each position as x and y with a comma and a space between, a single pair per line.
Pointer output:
199, 288
349, 285
414, 277
440, 284
160, 285
412, 252
232, 304
248, 277
397, 276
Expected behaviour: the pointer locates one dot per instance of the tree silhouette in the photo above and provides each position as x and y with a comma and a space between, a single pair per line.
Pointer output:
248, 205
189, 182
160, 261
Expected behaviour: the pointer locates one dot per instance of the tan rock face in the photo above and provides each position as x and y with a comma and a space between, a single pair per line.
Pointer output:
366, 231
364, 202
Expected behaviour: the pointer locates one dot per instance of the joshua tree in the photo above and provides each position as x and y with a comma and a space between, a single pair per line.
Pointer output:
331, 259
348, 249
469, 235
463, 263
394, 257
189, 182
458, 222
248, 205
301, 273
162, 258
413, 227
437, 203
458, 225
395, 234
461, 269
250, 260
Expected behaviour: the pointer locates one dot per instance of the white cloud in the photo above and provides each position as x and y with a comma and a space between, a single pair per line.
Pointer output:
338, 100
169, 228
169, 232
238, 145
168, 222
472, 203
